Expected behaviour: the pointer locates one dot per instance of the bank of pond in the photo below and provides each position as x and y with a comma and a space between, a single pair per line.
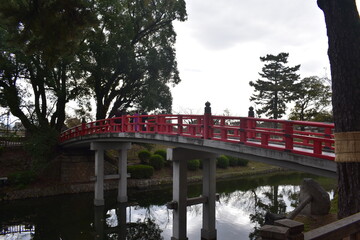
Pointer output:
240, 211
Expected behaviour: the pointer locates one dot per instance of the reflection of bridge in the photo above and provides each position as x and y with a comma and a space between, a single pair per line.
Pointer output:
20, 228
305, 146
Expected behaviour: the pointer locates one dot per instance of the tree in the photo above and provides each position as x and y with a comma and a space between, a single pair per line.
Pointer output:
313, 98
276, 86
343, 31
130, 57
37, 74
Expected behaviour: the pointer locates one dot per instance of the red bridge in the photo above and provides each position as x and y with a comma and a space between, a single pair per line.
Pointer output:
304, 146
267, 140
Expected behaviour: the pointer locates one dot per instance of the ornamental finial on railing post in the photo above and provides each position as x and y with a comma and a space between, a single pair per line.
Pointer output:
207, 121
251, 112
207, 108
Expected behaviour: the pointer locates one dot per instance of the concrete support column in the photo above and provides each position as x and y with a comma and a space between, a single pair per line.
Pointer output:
180, 197
122, 168
100, 148
208, 231
99, 177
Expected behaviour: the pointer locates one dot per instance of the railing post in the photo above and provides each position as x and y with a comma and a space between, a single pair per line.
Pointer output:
157, 126
207, 121
243, 132
83, 126
123, 124
223, 131
179, 124
288, 135
251, 123
317, 145
327, 134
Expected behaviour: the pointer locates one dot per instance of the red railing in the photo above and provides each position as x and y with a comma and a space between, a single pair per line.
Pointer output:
305, 138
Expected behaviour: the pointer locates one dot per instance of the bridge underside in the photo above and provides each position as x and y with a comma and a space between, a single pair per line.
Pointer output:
283, 159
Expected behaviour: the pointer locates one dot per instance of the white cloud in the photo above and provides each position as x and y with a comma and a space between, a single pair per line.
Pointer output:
218, 48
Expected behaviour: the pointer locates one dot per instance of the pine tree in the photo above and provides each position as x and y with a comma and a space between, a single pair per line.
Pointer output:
276, 86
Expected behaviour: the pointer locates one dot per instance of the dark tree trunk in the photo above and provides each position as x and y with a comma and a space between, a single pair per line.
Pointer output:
343, 30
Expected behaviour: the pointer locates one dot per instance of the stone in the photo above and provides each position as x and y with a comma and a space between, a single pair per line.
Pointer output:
320, 203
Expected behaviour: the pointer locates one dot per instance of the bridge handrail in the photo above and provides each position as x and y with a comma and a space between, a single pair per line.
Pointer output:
299, 137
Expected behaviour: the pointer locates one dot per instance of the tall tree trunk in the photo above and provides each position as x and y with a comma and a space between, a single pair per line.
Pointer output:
343, 30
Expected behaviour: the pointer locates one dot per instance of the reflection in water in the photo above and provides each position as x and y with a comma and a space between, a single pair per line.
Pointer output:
240, 211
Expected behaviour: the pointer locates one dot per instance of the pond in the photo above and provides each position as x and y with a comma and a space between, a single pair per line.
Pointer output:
240, 211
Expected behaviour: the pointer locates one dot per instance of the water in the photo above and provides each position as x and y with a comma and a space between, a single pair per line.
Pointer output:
240, 211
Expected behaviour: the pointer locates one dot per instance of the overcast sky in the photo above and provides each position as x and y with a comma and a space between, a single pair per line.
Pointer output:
219, 46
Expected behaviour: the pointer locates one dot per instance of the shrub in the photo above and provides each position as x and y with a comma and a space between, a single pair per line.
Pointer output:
144, 156
161, 152
242, 162
233, 161
157, 161
193, 164
222, 162
21, 179
140, 171
201, 164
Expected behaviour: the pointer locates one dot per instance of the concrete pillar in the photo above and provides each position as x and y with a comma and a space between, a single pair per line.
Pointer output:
100, 148
208, 230
180, 197
99, 177
179, 156
122, 168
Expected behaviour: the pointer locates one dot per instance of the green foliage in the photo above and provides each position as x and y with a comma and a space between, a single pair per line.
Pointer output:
161, 152
233, 161
140, 171
29, 24
41, 145
276, 86
148, 230
242, 162
22, 179
193, 164
313, 97
144, 156
222, 162
34, 61
132, 51
157, 161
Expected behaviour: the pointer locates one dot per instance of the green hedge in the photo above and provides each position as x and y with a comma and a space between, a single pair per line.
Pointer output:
21, 179
161, 152
157, 161
193, 164
140, 171
242, 162
222, 162
144, 156
233, 161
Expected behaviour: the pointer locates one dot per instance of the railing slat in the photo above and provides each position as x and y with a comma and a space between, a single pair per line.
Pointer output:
336, 230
